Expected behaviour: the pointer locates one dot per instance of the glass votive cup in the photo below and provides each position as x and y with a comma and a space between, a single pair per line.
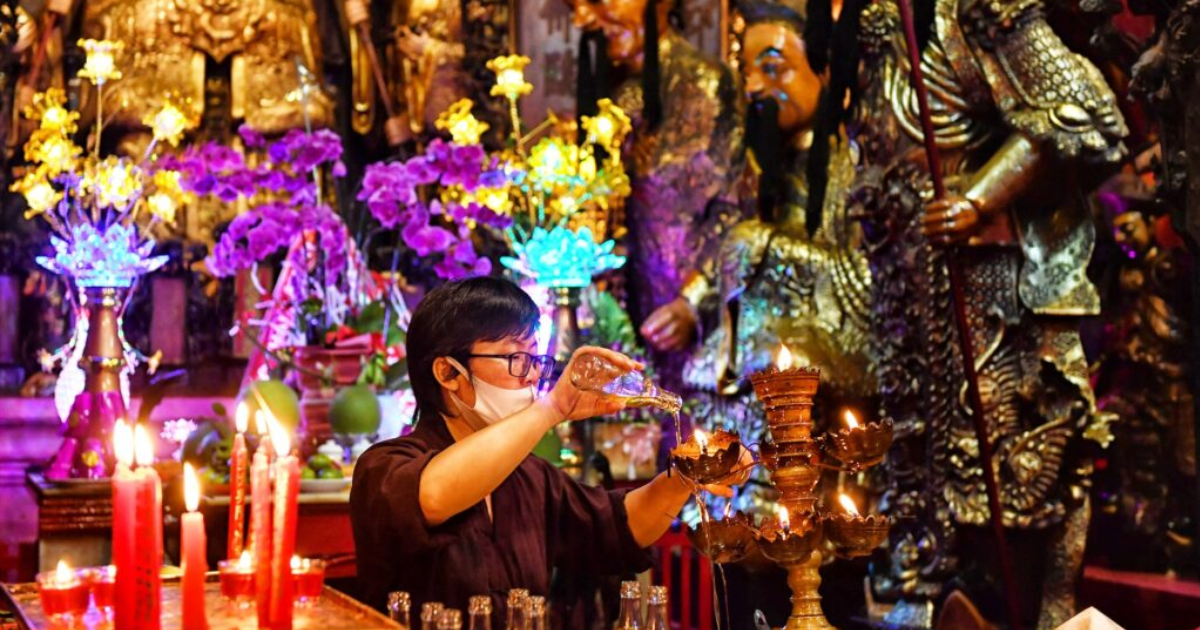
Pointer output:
102, 583
308, 580
64, 596
237, 582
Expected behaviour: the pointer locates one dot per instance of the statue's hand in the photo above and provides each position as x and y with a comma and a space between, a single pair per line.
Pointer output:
951, 220
412, 44
672, 327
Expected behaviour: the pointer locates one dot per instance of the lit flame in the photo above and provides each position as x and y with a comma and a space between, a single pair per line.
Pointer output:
783, 360
851, 420
702, 440
295, 563
241, 417
244, 562
191, 488
123, 443
848, 505
143, 448
280, 438
262, 423
784, 521
63, 573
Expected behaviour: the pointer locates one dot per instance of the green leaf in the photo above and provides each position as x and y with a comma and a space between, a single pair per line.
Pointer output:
397, 376
370, 318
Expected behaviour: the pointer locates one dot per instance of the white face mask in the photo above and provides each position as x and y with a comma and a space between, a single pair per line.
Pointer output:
492, 403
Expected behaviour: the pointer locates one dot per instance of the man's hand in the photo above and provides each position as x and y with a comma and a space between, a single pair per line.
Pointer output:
672, 327
572, 403
951, 220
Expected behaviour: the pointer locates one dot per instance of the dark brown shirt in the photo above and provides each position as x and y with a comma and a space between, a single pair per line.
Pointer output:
542, 520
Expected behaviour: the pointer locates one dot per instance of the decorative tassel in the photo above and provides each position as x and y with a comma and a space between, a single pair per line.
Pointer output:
652, 109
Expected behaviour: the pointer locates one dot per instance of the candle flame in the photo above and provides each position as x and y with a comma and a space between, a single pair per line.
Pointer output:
191, 488
143, 448
261, 424
848, 504
241, 417
784, 521
123, 443
295, 563
784, 360
851, 419
244, 561
280, 438
63, 573
702, 440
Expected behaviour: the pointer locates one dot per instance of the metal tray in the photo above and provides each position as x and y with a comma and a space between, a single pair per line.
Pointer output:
335, 611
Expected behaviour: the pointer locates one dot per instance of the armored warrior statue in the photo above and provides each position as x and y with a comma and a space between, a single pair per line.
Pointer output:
1016, 116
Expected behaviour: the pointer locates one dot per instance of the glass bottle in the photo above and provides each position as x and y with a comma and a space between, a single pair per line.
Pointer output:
399, 608
593, 373
656, 609
480, 613
431, 612
536, 613
450, 619
630, 617
516, 609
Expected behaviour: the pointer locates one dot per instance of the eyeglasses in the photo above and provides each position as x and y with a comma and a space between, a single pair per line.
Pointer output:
519, 363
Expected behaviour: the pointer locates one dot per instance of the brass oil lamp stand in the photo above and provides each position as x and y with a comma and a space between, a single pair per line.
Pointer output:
795, 459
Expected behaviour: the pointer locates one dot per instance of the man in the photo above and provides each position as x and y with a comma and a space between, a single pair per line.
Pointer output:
1020, 122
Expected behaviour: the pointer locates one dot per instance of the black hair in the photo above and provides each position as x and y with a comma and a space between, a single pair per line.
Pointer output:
450, 319
759, 11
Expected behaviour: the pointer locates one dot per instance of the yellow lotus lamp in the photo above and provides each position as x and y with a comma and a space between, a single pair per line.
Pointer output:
101, 64
40, 196
510, 76
169, 123
609, 126
461, 124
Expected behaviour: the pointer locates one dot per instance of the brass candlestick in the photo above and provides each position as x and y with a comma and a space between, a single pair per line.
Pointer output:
794, 459
725, 540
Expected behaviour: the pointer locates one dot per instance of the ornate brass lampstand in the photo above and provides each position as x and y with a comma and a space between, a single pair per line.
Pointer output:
794, 459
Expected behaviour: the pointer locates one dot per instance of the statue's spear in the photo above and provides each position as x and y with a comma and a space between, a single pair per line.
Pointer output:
962, 323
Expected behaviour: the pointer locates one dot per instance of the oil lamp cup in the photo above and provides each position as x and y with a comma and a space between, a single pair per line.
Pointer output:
710, 463
855, 536
237, 582
797, 552
787, 396
723, 541
861, 446
64, 596
792, 546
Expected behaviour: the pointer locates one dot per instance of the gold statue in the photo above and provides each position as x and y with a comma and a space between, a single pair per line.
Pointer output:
429, 51
683, 163
778, 284
272, 49
1020, 121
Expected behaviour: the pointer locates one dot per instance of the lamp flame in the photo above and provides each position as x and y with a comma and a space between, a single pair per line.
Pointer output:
295, 563
123, 443
191, 488
143, 448
702, 440
244, 562
241, 417
261, 423
848, 505
280, 438
784, 521
63, 573
784, 360
851, 419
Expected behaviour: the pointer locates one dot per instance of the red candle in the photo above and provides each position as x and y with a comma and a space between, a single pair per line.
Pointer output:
237, 485
260, 532
125, 494
194, 542
147, 550
287, 493
62, 592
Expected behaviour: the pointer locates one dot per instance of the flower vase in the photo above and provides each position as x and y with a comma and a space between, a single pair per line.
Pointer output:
323, 372
86, 449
